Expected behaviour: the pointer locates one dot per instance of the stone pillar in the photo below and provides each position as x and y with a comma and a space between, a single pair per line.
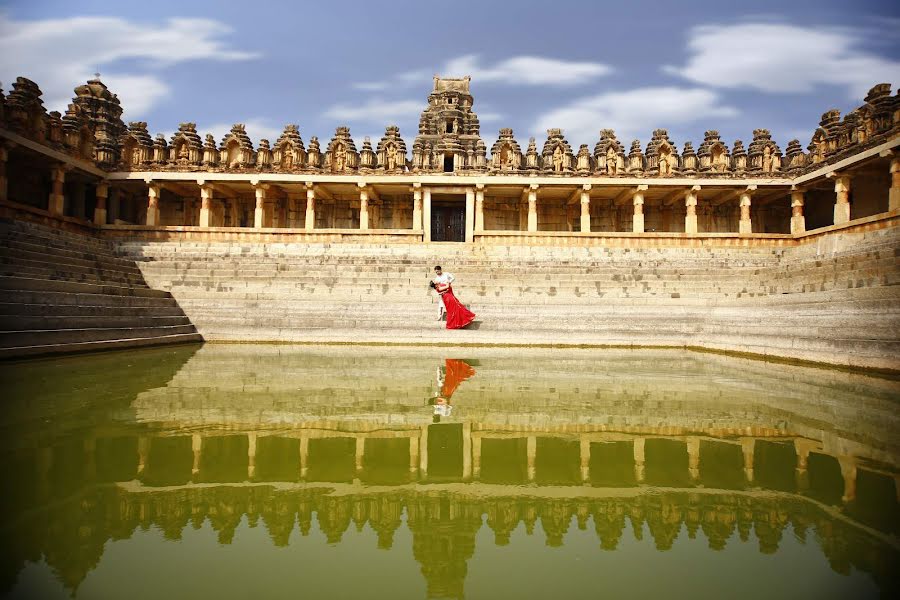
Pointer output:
848, 472
153, 192
586, 208
637, 223
413, 454
206, 199
479, 208
470, 215
467, 449
259, 216
304, 455
745, 226
842, 199
893, 194
100, 209
417, 208
4, 182
585, 458
748, 445
693, 450
57, 201
363, 206
530, 454
251, 455
423, 443
639, 459
532, 207
310, 223
196, 449
798, 221
360, 453
690, 203
476, 457
426, 215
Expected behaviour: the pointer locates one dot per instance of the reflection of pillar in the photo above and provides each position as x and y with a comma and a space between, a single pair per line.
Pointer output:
693, 450
417, 207
532, 207
639, 459
304, 455
479, 208
102, 193
470, 215
426, 216
196, 449
153, 191
57, 201
363, 206
894, 193
690, 204
251, 455
476, 456
848, 472
637, 225
530, 453
802, 447
585, 455
586, 208
206, 198
748, 445
413, 453
143, 447
798, 221
842, 199
467, 450
360, 452
259, 215
310, 223
745, 225
423, 446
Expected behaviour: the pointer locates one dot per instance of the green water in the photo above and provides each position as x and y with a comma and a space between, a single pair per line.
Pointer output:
235, 471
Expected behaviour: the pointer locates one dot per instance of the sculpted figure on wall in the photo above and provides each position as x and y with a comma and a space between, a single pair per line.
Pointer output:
666, 161
558, 159
340, 158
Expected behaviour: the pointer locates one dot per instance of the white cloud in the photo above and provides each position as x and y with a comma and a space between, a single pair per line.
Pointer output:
375, 109
371, 86
257, 129
526, 70
634, 113
487, 117
59, 54
781, 58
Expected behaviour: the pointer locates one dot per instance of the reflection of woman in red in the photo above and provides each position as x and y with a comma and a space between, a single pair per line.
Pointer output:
458, 316
455, 372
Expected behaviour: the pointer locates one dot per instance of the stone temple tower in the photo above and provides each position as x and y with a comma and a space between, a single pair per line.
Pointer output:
448, 139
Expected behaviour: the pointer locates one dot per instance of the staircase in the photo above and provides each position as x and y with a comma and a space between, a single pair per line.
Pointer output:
836, 305
64, 292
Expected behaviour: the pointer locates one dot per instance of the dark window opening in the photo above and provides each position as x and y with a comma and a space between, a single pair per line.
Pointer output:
448, 163
449, 125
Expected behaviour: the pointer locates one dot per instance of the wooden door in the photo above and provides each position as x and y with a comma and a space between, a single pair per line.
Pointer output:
448, 223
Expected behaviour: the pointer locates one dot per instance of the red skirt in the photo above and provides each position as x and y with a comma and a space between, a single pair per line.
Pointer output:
458, 316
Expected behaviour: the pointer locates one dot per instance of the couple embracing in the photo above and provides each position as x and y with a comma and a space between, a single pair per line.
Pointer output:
458, 316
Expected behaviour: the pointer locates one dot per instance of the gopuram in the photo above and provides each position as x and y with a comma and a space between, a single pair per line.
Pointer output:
752, 248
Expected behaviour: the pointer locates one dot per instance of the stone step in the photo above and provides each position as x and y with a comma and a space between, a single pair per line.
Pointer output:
61, 298
49, 285
54, 244
117, 265
47, 271
98, 345
34, 229
44, 337
34, 322
75, 310
110, 259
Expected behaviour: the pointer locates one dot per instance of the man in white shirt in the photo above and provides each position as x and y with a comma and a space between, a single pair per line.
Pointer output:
441, 278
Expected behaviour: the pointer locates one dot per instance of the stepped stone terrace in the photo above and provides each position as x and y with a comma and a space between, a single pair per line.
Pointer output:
91, 167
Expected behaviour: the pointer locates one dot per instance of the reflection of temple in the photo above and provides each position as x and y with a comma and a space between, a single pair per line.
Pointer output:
302, 452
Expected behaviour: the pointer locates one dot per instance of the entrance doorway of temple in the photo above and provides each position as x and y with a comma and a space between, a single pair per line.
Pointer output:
448, 221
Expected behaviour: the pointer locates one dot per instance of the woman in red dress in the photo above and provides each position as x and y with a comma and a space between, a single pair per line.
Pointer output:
458, 316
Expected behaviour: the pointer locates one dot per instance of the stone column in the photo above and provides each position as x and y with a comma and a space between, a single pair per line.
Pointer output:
259, 216
693, 450
639, 459
690, 203
479, 208
304, 455
586, 208
4, 182
532, 207
530, 454
467, 449
745, 225
153, 192
206, 199
310, 223
470, 215
893, 194
360, 453
426, 215
423, 445
842, 199
417, 207
748, 445
363, 206
476, 456
413, 454
57, 201
251, 455
197, 450
637, 223
100, 208
798, 221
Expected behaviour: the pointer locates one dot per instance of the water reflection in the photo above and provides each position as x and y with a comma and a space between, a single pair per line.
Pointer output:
642, 447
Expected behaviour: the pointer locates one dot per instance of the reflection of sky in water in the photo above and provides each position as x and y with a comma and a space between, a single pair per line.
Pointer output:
555, 472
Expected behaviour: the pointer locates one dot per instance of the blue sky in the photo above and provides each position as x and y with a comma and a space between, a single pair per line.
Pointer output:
579, 65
